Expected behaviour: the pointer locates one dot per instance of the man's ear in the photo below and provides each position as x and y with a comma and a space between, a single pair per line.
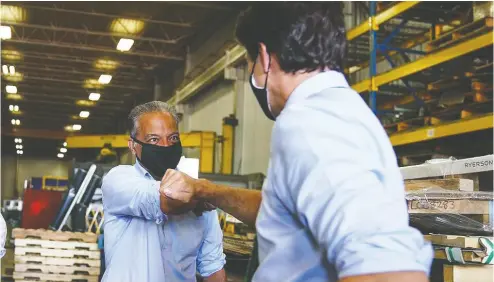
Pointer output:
264, 57
131, 146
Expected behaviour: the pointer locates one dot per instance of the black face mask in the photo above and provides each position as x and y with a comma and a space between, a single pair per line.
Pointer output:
157, 159
261, 93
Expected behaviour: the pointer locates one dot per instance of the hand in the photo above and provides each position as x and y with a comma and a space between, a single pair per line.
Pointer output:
179, 186
202, 207
173, 206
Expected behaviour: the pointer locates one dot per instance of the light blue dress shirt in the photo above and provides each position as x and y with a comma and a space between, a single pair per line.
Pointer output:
334, 202
144, 245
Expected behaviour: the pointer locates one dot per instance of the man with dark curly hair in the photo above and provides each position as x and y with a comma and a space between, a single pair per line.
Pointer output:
333, 207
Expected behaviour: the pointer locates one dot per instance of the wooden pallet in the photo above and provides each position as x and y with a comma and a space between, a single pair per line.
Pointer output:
455, 184
33, 276
57, 261
22, 251
461, 34
42, 234
71, 245
450, 206
468, 273
57, 269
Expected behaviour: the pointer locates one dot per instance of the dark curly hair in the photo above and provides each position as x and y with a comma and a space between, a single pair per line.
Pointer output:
304, 36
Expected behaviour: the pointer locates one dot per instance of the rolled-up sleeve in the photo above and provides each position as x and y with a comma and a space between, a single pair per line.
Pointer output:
340, 193
211, 258
126, 193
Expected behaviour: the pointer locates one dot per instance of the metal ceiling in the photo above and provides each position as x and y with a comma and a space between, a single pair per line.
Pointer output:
56, 47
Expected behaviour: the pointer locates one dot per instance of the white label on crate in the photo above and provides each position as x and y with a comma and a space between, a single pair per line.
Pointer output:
431, 132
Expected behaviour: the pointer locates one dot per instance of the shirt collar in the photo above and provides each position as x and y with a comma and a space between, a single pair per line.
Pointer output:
316, 84
138, 166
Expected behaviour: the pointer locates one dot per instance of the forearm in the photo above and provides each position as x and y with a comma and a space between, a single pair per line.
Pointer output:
240, 203
170, 206
219, 276
389, 277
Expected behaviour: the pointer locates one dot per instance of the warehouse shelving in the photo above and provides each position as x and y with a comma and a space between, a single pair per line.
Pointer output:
440, 81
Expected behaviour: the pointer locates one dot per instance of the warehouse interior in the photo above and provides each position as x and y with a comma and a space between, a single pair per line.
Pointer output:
72, 71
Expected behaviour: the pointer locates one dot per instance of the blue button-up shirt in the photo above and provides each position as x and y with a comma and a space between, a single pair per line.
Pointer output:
334, 202
144, 245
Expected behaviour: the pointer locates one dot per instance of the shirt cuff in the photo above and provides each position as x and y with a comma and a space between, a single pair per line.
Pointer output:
212, 268
379, 260
155, 201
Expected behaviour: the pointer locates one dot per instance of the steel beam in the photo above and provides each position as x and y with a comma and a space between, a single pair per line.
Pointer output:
428, 61
36, 133
100, 102
82, 82
204, 141
60, 69
233, 55
104, 15
92, 32
70, 59
382, 18
443, 130
51, 43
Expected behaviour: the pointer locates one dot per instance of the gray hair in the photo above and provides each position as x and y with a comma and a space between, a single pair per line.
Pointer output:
150, 107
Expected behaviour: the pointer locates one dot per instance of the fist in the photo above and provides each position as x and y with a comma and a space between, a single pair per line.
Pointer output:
178, 190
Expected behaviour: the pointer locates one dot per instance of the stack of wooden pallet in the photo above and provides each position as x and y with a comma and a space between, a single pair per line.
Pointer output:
238, 244
455, 215
46, 255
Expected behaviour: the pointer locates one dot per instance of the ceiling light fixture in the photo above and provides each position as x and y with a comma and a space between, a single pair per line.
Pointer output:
13, 108
76, 127
11, 89
63, 150
124, 44
94, 96
65, 144
60, 155
5, 69
5, 32
84, 114
18, 140
104, 78
11, 70
20, 152
17, 122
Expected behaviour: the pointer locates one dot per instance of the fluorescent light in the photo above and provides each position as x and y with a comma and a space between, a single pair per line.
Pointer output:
14, 97
127, 26
5, 69
65, 144
60, 155
124, 44
18, 140
94, 96
10, 13
12, 121
11, 69
5, 32
84, 114
63, 150
21, 152
11, 108
17, 122
11, 89
76, 127
16, 108
104, 79
18, 146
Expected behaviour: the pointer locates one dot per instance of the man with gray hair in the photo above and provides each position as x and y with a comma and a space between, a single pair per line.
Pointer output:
144, 240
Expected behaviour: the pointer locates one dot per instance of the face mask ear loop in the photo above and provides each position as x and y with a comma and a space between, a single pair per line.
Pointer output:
267, 74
